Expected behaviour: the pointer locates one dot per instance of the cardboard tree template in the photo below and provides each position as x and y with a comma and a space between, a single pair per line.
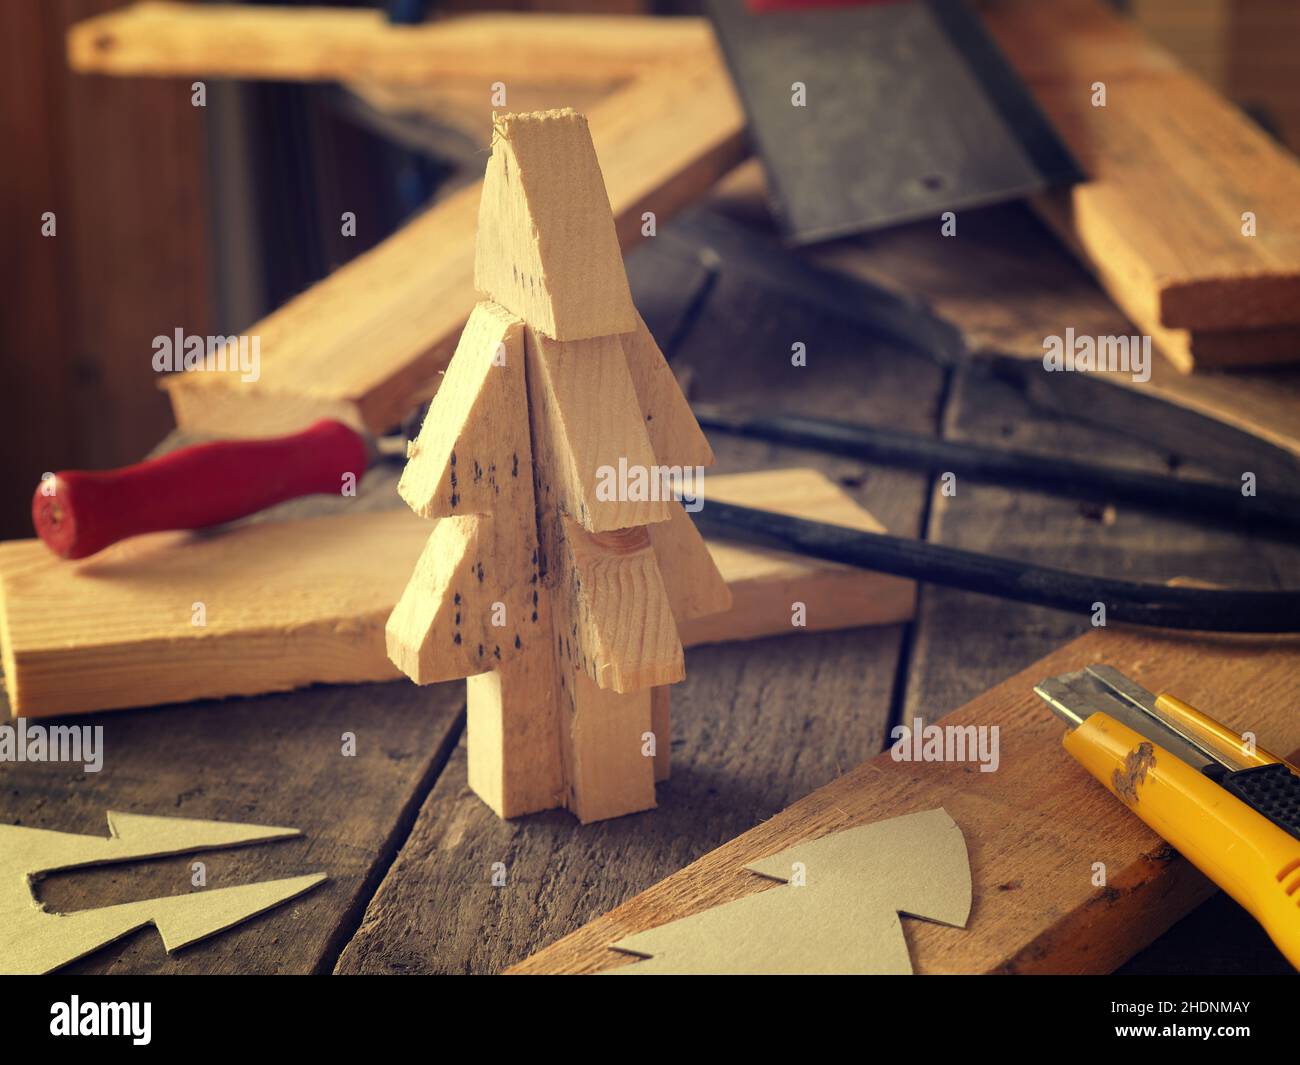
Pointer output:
539, 585
836, 913
34, 940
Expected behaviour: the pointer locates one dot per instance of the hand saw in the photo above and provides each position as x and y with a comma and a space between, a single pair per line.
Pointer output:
873, 114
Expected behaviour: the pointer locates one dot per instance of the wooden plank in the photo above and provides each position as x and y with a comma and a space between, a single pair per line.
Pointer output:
965, 644
1173, 167
766, 585
1033, 828
1230, 349
297, 602
753, 725
367, 343
1223, 349
334, 44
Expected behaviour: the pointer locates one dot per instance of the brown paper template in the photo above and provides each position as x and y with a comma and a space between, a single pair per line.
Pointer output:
34, 940
836, 911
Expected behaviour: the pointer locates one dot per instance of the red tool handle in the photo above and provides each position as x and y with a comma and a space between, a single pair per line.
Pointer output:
192, 488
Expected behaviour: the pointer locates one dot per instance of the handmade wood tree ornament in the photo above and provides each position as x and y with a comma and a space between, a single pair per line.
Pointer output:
542, 460
34, 941
835, 913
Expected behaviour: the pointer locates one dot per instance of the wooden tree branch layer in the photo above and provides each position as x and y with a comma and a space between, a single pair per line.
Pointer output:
293, 603
1034, 828
337, 44
367, 343
466, 609
1173, 167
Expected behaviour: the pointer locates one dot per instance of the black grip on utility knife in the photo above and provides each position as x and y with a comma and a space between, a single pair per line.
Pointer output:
1272, 790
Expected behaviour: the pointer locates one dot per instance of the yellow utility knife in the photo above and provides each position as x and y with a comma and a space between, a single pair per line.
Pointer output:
1229, 807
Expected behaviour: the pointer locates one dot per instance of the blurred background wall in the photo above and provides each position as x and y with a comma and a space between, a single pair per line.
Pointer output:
121, 164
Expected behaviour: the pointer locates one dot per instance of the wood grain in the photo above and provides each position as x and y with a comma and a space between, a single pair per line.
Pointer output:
618, 625
1241, 47
284, 604
725, 756
586, 418
695, 588
158, 39
294, 602
1033, 828
766, 585
512, 731
545, 247
546, 253
1172, 167
471, 602
474, 446
547, 250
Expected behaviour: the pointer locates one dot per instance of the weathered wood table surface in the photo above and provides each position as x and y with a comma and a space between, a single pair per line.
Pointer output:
410, 851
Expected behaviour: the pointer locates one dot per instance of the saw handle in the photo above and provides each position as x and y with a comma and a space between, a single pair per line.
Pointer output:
80, 512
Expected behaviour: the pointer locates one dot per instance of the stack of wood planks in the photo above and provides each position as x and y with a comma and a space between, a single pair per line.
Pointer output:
1188, 217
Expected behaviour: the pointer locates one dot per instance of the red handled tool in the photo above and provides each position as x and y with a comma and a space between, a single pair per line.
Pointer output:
80, 512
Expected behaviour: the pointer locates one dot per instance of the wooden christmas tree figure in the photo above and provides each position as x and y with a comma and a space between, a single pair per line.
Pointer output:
558, 567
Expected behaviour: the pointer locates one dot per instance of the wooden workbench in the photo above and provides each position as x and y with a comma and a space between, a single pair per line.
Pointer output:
410, 850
